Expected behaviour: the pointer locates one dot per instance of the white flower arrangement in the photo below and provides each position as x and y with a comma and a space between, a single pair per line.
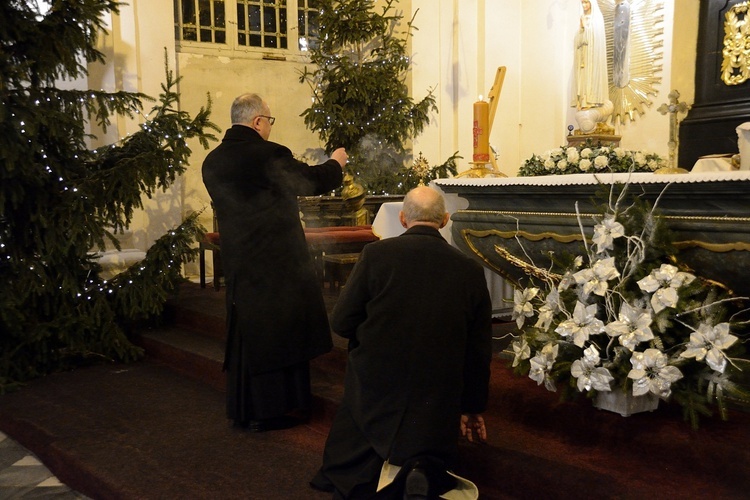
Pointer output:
625, 316
588, 157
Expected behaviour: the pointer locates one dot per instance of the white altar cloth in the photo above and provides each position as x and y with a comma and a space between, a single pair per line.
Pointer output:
712, 164
599, 178
387, 225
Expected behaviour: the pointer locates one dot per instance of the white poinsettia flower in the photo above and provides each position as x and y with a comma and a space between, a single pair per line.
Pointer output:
606, 232
541, 365
522, 306
582, 325
651, 373
601, 162
708, 342
595, 280
632, 327
568, 278
521, 351
663, 298
663, 283
548, 310
588, 374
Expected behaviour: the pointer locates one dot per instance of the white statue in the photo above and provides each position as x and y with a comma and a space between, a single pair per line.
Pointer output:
591, 85
621, 45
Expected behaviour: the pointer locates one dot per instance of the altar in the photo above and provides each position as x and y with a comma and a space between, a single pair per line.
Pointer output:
512, 224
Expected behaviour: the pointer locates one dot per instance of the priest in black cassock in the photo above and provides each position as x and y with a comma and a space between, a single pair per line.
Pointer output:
276, 318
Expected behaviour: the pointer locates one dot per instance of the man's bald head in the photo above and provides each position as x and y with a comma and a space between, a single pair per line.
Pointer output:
423, 206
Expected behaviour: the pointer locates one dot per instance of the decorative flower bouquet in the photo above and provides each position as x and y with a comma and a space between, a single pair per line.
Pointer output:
627, 316
589, 158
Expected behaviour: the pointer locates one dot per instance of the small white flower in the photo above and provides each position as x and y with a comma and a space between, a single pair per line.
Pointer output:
583, 324
572, 154
549, 164
585, 164
595, 280
588, 374
562, 165
521, 351
663, 283
541, 365
632, 327
601, 162
708, 342
548, 310
620, 152
522, 307
606, 232
640, 158
651, 373
586, 153
653, 165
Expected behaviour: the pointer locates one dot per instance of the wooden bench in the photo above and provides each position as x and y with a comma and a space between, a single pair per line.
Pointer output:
337, 267
335, 240
321, 241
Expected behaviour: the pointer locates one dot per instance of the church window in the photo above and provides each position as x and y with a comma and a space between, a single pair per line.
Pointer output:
245, 26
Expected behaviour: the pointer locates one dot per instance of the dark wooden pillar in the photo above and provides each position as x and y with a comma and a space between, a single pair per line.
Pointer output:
709, 127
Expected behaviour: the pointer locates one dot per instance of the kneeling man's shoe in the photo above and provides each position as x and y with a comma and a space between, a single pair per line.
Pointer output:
417, 484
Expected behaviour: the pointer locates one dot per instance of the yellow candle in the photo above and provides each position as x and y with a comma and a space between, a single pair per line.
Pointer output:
481, 131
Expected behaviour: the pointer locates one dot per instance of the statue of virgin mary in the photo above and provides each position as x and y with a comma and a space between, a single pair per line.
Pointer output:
591, 81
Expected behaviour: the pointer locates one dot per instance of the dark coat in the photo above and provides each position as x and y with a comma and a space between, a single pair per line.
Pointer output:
418, 315
275, 311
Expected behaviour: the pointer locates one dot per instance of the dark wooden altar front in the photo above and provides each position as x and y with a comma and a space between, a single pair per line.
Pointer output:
511, 225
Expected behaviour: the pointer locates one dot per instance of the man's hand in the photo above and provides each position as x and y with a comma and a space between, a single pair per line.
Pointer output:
472, 424
340, 156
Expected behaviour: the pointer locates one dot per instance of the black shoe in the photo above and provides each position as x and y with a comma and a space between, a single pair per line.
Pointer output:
417, 484
269, 424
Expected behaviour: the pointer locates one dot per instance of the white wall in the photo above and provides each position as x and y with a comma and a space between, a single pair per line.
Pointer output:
460, 44
134, 51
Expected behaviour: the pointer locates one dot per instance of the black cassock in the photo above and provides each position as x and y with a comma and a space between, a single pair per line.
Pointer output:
417, 314
276, 318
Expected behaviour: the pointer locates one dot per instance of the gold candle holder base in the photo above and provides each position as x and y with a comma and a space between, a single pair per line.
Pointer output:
479, 170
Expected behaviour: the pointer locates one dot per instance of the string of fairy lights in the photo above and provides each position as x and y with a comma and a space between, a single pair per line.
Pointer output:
92, 285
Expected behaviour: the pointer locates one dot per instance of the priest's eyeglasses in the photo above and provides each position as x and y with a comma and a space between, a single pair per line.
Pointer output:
271, 119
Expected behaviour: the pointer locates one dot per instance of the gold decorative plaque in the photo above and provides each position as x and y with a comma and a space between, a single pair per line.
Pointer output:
735, 66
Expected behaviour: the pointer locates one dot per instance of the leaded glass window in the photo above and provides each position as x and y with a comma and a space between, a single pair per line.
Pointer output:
200, 21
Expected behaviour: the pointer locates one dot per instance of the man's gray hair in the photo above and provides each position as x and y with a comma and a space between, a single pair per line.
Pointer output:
246, 107
424, 205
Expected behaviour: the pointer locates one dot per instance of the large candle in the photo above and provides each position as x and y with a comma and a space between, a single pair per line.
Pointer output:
481, 131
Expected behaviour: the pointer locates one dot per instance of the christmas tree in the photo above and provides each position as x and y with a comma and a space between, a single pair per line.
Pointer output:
60, 201
360, 99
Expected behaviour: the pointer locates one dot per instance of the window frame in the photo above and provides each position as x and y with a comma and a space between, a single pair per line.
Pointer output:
233, 48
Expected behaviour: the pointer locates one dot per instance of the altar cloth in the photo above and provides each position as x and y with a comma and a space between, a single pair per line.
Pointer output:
600, 178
